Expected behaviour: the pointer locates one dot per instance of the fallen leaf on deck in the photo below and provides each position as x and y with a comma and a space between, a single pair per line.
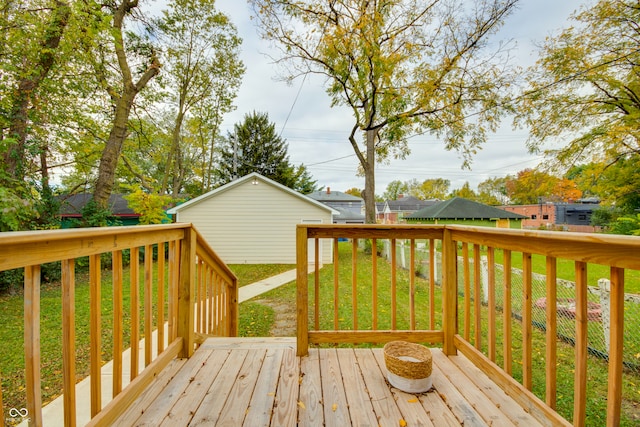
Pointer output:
300, 404
403, 423
334, 407
414, 400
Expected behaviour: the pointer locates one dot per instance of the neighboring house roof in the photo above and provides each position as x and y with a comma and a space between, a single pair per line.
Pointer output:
250, 177
409, 204
347, 215
72, 205
459, 208
333, 196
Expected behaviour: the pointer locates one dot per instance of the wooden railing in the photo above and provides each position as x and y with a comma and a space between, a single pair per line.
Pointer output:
181, 285
470, 317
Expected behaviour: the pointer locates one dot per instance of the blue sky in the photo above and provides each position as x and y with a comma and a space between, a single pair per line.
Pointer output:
317, 134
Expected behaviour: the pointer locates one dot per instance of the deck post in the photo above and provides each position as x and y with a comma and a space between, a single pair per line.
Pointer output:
449, 293
186, 291
302, 301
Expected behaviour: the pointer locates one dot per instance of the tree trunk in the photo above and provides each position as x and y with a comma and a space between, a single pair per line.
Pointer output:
112, 149
369, 193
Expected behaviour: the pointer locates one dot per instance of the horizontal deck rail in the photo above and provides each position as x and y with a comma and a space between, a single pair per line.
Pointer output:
174, 278
474, 315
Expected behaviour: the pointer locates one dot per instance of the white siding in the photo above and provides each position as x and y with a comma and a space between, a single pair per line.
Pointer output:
254, 224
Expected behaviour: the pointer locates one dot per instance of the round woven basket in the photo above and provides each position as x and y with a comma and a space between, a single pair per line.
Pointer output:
408, 360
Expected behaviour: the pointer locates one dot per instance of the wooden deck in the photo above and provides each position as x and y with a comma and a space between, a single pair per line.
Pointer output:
239, 381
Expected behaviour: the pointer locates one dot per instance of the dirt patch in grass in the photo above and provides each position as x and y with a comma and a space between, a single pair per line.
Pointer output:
284, 324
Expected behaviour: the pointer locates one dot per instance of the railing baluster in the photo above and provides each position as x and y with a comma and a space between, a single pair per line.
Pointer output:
134, 310
172, 296
148, 304
527, 329
477, 298
551, 316
507, 345
466, 274
374, 284
32, 343
354, 283
412, 284
393, 284
210, 300
117, 323
95, 334
336, 273
614, 392
69, 342
582, 326
160, 296
316, 284
491, 301
432, 284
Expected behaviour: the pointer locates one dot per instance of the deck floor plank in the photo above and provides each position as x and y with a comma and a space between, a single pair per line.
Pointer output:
310, 390
161, 406
284, 412
150, 394
516, 413
336, 412
188, 403
489, 412
358, 398
262, 382
264, 394
235, 409
210, 407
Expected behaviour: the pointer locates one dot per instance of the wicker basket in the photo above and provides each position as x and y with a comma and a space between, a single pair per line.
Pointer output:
409, 366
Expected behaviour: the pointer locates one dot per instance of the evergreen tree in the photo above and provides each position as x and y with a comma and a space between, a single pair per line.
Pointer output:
254, 146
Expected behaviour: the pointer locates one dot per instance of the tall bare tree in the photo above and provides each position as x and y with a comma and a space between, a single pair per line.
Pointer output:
401, 66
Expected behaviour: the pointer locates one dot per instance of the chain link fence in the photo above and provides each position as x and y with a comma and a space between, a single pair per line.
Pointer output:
598, 301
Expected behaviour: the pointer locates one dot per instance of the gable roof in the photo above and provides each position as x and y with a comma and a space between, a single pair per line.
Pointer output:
409, 203
334, 196
459, 208
250, 177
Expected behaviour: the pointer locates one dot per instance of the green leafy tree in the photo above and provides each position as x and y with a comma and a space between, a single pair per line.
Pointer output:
435, 188
493, 191
399, 66
394, 189
151, 207
585, 87
465, 192
254, 146
203, 73
627, 225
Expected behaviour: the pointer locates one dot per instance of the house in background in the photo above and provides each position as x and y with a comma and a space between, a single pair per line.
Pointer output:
253, 219
71, 207
349, 207
558, 216
395, 211
466, 212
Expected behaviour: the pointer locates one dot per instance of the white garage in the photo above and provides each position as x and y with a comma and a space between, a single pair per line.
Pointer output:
253, 220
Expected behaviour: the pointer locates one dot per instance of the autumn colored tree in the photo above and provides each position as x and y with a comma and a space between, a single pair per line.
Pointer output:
434, 188
585, 88
465, 192
354, 192
530, 186
400, 67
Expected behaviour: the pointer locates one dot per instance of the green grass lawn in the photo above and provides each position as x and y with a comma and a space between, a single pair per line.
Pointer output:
597, 368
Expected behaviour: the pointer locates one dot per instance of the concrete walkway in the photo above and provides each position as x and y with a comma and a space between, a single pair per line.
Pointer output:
53, 413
